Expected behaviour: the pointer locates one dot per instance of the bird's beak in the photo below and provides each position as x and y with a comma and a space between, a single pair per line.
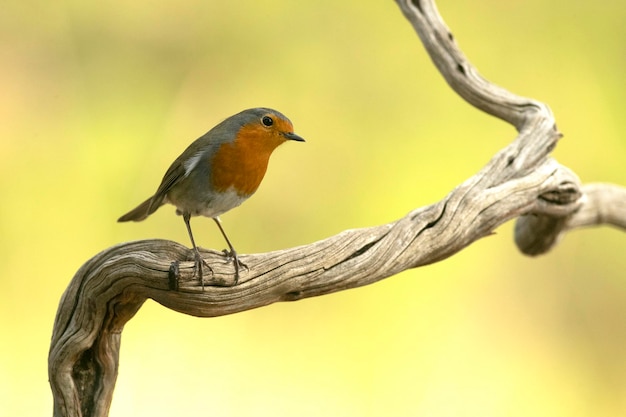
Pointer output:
293, 136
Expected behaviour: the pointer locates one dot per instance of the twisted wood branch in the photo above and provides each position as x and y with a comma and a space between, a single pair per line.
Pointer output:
521, 181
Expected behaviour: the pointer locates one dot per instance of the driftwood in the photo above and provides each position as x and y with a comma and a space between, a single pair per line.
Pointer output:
521, 181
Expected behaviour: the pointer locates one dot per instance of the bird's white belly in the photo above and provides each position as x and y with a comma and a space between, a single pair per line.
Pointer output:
208, 204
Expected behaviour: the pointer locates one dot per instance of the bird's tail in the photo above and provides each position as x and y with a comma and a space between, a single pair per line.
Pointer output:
139, 213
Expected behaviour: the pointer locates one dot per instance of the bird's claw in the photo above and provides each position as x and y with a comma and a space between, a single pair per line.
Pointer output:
231, 256
197, 267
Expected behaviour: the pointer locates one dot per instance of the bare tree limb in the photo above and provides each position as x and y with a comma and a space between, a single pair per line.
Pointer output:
521, 181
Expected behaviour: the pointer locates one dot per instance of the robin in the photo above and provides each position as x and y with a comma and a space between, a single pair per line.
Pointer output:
219, 171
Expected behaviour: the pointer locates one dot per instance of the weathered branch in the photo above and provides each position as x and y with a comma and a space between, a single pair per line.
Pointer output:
521, 181
537, 233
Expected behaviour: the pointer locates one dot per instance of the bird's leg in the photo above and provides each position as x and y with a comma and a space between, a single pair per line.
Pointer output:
198, 258
231, 253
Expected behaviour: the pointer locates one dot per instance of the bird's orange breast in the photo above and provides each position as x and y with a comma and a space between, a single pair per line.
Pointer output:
242, 163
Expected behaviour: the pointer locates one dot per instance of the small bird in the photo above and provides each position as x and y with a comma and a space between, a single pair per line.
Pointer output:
219, 171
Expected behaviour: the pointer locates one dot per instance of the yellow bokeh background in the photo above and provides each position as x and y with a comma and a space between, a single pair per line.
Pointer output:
99, 97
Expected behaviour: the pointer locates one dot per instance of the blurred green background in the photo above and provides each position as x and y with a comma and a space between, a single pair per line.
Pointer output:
99, 97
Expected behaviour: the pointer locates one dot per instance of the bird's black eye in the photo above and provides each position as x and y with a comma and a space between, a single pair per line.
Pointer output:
267, 121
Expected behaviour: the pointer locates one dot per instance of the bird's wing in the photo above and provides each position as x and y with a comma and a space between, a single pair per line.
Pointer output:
174, 174
179, 169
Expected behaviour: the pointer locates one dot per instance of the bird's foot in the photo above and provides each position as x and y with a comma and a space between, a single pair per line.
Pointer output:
197, 267
231, 256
